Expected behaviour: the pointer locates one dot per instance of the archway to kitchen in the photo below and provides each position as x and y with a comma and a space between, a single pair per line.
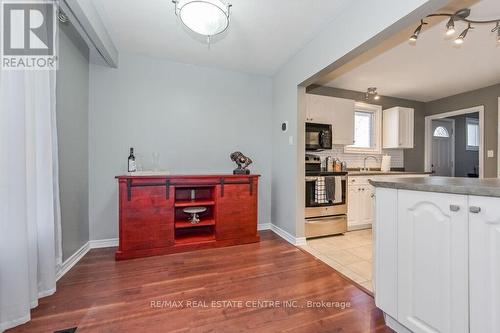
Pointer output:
404, 143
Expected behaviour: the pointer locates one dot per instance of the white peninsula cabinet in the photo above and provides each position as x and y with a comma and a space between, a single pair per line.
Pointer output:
437, 256
484, 264
339, 112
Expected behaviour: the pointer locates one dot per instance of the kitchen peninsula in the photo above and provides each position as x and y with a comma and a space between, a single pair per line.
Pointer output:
437, 254
161, 214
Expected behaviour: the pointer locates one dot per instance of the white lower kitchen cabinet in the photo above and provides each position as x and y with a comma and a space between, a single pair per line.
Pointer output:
360, 206
360, 209
437, 261
432, 262
484, 264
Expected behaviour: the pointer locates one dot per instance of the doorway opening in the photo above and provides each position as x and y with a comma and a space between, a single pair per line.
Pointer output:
454, 143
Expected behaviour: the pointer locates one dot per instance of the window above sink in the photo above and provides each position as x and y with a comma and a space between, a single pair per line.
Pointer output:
367, 129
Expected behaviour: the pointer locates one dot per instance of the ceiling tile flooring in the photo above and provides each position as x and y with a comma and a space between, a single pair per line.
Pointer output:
350, 254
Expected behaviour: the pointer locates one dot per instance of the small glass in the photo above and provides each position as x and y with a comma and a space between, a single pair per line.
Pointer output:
156, 161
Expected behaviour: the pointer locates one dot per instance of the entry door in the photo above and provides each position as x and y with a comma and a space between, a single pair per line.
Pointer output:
442, 147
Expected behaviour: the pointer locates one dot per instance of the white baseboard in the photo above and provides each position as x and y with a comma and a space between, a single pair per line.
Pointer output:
75, 258
113, 242
71, 261
264, 226
297, 241
359, 227
100, 243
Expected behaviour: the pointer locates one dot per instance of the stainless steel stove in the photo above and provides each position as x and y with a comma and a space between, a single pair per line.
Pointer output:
326, 200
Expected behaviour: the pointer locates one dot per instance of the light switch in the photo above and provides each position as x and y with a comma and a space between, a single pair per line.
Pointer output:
290, 140
491, 153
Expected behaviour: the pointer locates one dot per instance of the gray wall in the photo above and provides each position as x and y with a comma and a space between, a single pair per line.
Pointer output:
193, 116
488, 97
72, 96
413, 158
465, 160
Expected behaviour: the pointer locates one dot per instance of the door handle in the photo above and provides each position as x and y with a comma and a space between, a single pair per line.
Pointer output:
474, 209
454, 208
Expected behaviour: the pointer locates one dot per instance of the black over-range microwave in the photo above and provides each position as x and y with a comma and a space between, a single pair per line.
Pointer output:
318, 136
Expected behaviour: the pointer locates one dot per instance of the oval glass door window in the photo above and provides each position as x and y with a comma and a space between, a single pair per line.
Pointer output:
441, 132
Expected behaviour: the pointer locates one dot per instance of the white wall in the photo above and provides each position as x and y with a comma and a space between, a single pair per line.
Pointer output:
193, 116
358, 22
72, 113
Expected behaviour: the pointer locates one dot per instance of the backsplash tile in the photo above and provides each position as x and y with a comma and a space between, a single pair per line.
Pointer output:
356, 160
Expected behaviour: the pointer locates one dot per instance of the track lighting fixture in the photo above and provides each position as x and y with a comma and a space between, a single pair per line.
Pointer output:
497, 29
460, 39
414, 37
372, 91
450, 27
461, 15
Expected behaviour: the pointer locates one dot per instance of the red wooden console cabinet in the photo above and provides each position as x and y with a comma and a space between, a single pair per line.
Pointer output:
152, 220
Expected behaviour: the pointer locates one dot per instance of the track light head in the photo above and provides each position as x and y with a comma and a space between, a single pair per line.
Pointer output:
497, 29
461, 38
450, 27
372, 91
414, 37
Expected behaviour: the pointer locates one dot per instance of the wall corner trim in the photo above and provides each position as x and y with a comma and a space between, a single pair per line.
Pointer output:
296, 241
81, 252
72, 261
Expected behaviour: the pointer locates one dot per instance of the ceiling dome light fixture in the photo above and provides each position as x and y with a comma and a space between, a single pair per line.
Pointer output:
204, 17
461, 15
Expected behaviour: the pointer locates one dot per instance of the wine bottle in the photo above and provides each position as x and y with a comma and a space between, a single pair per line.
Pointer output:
131, 161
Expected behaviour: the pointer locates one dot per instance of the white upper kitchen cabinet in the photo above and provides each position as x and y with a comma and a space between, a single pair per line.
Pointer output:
397, 128
484, 264
339, 112
433, 262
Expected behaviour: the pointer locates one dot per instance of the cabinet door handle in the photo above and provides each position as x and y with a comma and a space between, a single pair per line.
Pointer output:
474, 209
454, 208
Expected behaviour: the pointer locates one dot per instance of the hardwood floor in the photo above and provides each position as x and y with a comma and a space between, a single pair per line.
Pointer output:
102, 295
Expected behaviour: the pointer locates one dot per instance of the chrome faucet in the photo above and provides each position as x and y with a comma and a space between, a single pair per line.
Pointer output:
364, 162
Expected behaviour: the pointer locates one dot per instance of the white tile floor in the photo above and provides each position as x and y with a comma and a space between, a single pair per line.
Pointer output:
350, 254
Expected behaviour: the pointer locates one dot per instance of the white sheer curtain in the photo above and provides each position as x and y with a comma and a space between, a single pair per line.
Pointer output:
30, 231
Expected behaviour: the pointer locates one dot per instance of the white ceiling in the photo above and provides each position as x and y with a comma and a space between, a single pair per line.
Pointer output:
262, 36
432, 68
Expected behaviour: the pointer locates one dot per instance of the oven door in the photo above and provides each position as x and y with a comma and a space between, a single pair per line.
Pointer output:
315, 206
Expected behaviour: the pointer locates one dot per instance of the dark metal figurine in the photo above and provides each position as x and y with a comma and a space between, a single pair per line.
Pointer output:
242, 161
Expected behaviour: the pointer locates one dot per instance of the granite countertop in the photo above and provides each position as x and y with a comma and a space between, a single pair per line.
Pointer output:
472, 186
382, 173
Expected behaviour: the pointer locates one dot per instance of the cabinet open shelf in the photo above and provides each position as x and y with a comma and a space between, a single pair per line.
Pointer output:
187, 224
194, 235
194, 203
